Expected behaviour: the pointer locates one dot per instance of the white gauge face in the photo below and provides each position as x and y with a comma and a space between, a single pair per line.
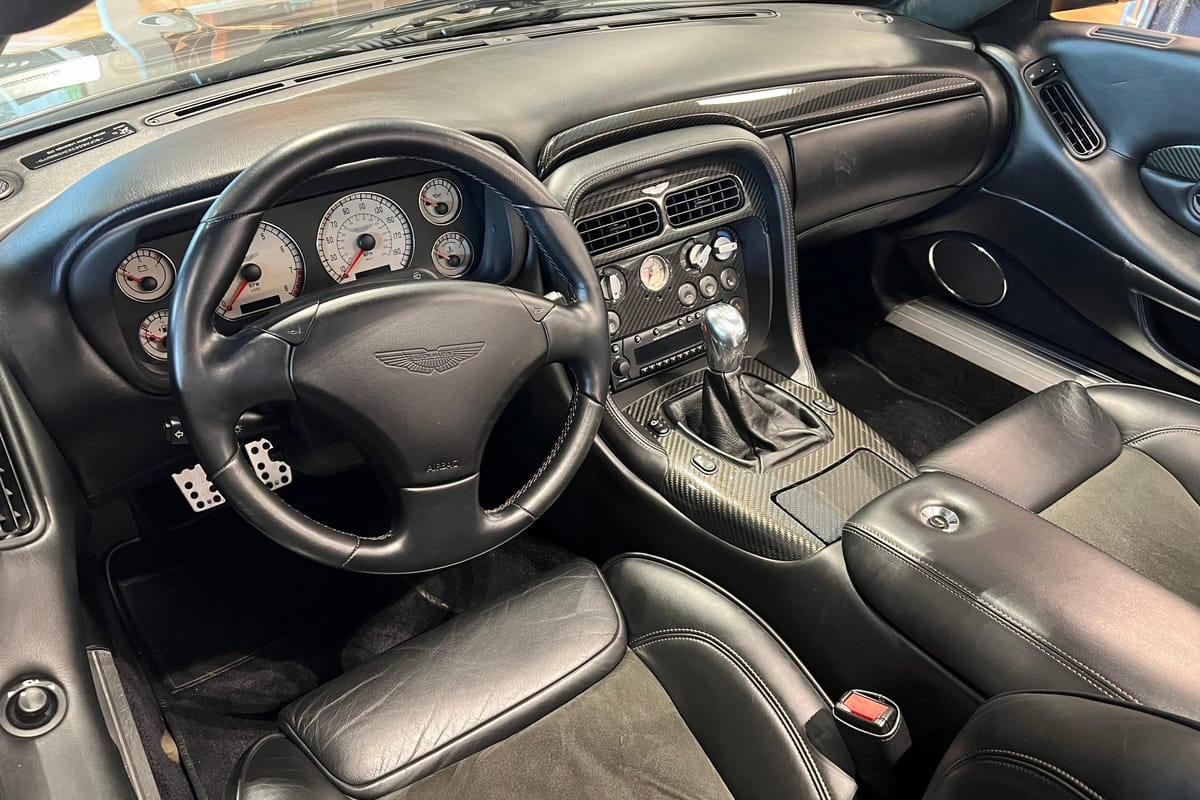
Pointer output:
654, 273
272, 273
440, 201
152, 335
364, 234
452, 254
145, 275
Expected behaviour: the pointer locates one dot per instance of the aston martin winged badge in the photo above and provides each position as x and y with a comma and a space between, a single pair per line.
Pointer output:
424, 361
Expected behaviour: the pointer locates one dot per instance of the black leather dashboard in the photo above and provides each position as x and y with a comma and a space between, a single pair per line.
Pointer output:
528, 91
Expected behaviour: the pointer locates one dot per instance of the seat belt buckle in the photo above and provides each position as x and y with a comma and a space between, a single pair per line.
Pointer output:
876, 736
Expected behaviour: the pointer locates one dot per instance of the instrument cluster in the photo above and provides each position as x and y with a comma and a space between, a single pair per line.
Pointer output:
421, 227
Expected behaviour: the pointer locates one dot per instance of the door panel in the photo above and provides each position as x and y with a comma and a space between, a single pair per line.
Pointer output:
1117, 235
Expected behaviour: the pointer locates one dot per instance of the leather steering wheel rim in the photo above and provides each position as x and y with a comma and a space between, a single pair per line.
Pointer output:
414, 372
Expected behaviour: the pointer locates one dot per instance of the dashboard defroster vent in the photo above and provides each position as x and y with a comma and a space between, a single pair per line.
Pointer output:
618, 227
1074, 124
15, 518
703, 201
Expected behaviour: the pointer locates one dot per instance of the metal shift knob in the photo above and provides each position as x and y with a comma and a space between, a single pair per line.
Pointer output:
725, 335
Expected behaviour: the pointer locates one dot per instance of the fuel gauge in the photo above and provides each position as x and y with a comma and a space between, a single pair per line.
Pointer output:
452, 254
441, 201
152, 335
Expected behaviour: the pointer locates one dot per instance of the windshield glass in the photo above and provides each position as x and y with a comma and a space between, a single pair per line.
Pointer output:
158, 46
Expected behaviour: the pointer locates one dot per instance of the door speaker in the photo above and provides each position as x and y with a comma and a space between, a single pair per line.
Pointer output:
968, 272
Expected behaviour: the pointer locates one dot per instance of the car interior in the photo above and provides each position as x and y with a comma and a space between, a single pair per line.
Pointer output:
693, 399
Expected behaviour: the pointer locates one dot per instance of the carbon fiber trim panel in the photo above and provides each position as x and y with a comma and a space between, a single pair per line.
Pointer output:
1181, 160
736, 503
824, 503
763, 111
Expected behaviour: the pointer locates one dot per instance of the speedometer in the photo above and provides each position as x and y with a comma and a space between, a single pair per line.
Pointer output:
364, 234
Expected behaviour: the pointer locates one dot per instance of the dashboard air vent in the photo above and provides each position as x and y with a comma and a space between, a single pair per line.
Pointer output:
15, 518
1074, 124
703, 201
620, 226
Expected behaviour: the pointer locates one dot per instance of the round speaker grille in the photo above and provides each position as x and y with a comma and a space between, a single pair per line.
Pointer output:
968, 272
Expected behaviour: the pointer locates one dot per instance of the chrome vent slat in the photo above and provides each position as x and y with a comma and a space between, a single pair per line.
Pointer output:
1072, 121
618, 227
15, 518
703, 201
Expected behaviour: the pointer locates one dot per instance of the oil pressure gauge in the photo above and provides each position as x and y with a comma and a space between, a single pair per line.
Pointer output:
452, 254
441, 201
145, 275
152, 335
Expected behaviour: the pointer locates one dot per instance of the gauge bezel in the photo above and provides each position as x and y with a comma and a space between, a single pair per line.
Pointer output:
170, 269
452, 272
666, 271
433, 220
404, 260
159, 357
297, 258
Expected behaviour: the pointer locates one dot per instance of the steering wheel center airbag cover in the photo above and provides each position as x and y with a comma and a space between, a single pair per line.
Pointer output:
424, 370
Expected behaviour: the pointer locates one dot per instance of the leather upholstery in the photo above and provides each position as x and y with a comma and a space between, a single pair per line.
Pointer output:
749, 702
1050, 747
471, 682
1037, 451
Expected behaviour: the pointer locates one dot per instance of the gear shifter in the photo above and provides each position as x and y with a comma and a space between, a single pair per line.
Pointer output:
739, 414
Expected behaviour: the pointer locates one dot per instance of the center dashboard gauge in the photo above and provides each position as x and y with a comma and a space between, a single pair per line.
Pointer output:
152, 335
452, 254
145, 275
654, 273
441, 201
364, 234
272, 273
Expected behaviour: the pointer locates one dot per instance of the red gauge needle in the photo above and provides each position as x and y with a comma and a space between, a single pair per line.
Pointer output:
130, 277
427, 201
154, 337
353, 263
238, 293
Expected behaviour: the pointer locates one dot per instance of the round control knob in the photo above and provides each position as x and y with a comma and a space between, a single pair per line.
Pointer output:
620, 367
32, 707
614, 323
612, 286
698, 255
687, 295
32, 702
724, 246
730, 278
709, 287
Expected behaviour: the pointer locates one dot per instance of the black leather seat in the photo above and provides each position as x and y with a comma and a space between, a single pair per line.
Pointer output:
1074, 563
656, 684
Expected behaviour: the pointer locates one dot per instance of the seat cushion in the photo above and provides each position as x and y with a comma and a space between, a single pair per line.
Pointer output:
1117, 466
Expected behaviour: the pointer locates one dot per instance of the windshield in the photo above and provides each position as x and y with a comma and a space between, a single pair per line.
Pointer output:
127, 50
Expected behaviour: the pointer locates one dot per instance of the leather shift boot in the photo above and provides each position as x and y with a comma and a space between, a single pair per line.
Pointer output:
749, 419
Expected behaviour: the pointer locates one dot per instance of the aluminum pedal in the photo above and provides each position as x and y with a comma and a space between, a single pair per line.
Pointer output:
201, 495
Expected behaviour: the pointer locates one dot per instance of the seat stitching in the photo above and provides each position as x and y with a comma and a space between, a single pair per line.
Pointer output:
735, 658
1008, 758
953, 587
1150, 434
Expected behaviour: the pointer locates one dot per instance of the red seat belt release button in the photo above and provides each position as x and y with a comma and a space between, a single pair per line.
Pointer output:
866, 712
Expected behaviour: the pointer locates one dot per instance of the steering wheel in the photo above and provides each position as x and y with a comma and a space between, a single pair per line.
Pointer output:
414, 372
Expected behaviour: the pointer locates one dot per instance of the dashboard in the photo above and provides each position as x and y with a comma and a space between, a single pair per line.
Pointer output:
846, 102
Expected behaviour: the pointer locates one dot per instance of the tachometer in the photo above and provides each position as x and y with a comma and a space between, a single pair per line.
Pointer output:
364, 234
145, 275
272, 273
441, 201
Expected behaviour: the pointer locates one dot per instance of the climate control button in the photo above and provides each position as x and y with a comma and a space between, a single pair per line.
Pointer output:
724, 246
612, 286
730, 278
709, 287
687, 295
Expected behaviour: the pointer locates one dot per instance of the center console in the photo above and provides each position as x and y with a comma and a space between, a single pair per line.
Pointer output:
714, 403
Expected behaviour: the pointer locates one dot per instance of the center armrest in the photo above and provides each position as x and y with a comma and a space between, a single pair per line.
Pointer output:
1010, 602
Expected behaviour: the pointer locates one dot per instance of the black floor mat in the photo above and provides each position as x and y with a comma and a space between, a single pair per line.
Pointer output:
916, 395
230, 627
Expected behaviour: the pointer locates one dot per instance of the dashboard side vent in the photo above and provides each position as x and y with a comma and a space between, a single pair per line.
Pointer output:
15, 518
618, 227
703, 201
1076, 127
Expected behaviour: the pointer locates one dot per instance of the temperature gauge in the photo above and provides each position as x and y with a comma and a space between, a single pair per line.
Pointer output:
145, 275
452, 254
152, 335
441, 201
